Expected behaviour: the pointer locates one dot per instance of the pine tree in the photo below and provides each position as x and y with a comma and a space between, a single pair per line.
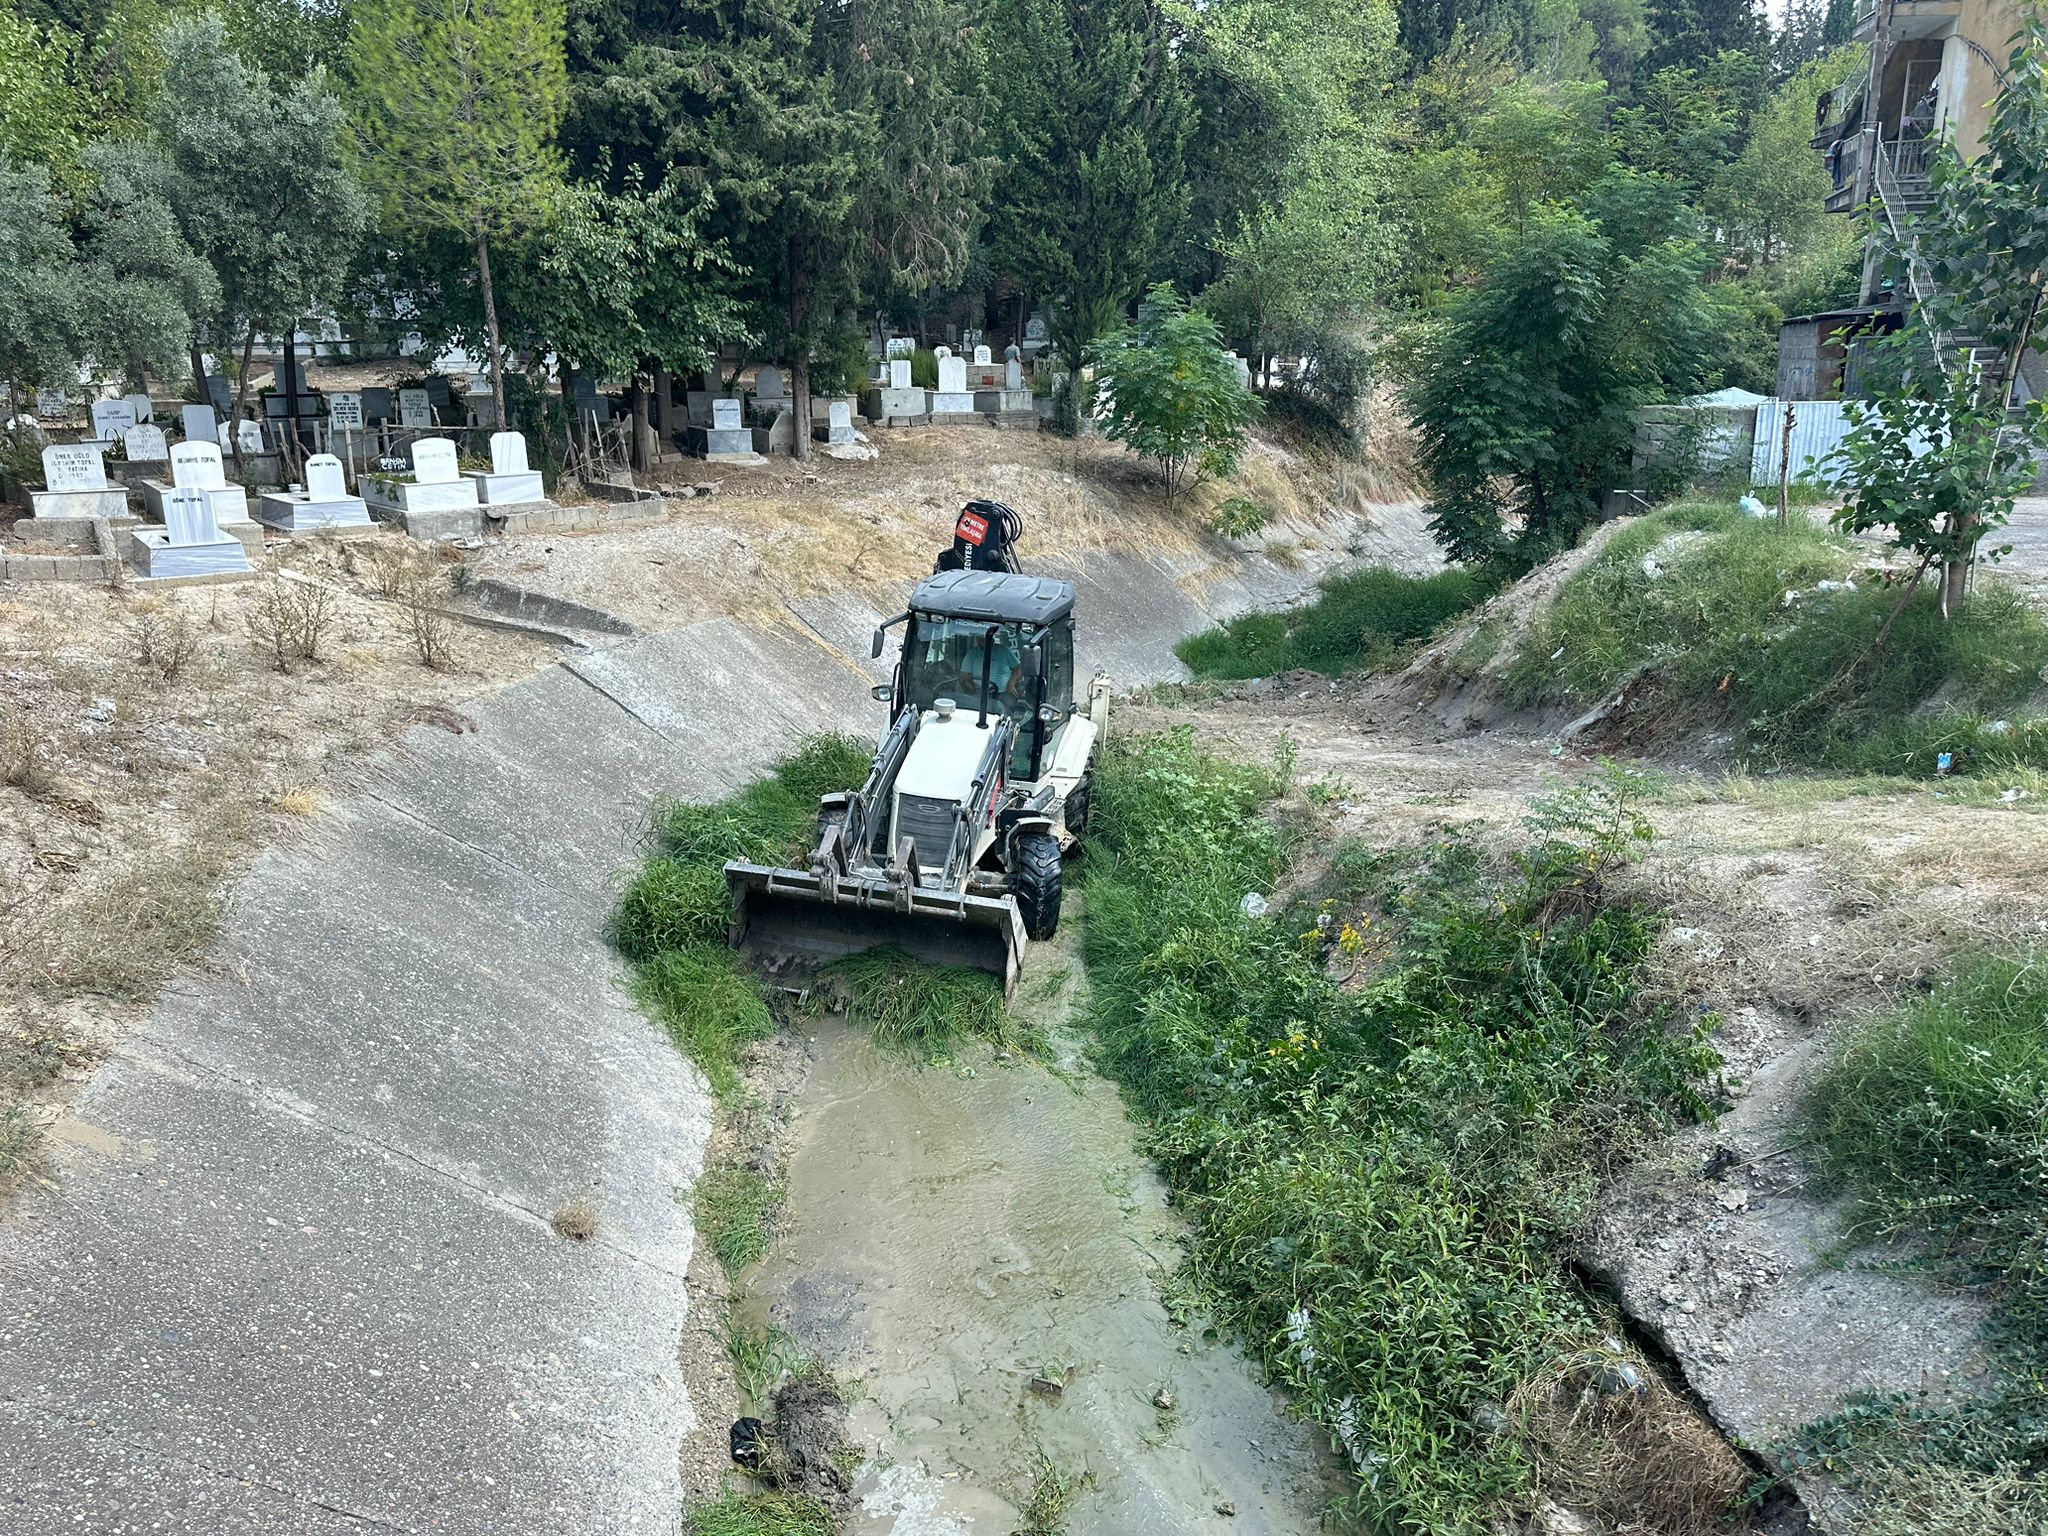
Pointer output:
457, 106
1093, 121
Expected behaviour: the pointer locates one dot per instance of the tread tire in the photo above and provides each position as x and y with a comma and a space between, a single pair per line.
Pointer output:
1035, 882
1078, 805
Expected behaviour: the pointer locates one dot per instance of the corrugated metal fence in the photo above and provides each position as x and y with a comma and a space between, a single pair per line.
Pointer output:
1818, 426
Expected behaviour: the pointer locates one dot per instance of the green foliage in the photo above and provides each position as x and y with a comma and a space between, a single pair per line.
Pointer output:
735, 1209
1171, 393
1237, 517
1359, 622
913, 1008
1526, 408
924, 368
1091, 117
45, 111
761, 1514
1385, 1146
1713, 634
710, 1008
1934, 1117
1936, 464
456, 106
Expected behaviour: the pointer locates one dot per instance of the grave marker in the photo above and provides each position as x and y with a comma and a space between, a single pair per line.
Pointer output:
768, 384
345, 412
146, 444
189, 519
200, 424
197, 467
952, 374
725, 415
899, 374
249, 436
139, 404
325, 480
52, 402
508, 453
111, 418
415, 408
434, 462
983, 355
74, 467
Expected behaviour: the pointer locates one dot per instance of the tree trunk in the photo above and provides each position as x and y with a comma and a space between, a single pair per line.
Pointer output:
241, 396
483, 272
643, 436
660, 410
800, 403
199, 373
800, 351
571, 456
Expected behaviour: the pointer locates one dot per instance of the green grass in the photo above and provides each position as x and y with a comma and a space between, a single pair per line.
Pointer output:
711, 1008
1712, 637
1052, 1491
1360, 621
761, 1514
1385, 1181
915, 1009
761, 1357
1934, 1118
735, 1210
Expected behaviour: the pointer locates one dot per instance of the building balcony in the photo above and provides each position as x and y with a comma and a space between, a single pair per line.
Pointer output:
1907, 19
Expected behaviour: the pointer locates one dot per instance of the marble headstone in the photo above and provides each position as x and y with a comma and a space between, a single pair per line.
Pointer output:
52, 402
325, 480
952, 374
508, 453
415, 408
899, 374
983, 355
725, 415
839, 422
345, 411
189, 519
197, 467
74, 467
376, 403
434, 462
146, 444
768, 385
200, 424
139, 404
111, 418
249, 436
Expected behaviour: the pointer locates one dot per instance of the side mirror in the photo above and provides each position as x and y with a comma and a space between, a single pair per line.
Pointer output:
1034, 661
1051, 714
875, 650
882, 693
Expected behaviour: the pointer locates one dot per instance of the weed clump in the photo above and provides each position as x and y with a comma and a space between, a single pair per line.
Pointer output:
709, 1006
735, 1208
1360, 622
762, 1514
1719, 617
1386, 1165
912, 1008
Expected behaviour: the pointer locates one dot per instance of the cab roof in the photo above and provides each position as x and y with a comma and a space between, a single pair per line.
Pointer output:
996, 596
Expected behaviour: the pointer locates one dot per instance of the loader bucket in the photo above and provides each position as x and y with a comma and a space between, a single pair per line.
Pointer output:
795, 921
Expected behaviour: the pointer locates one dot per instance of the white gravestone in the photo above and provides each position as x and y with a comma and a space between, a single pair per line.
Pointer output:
139, 404
900, 346
899, 374
1243, 370
839, 422
200, 424
942, 352
434, 462
325, 478
146, 444
508, 482
727, 437
197, 466
983, 355
73, 467
345, 411
249, 436
768, 385
52, 403
952, 397
324, 503
111, 418
725, 415
191, 541
1034, 329
415, 408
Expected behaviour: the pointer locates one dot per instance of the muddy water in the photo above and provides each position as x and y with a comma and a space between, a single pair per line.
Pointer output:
952, 1233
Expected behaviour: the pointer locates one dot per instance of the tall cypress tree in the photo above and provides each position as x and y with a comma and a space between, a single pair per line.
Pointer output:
1093, 119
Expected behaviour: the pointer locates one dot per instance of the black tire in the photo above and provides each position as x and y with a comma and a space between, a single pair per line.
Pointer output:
827, 820
1035, 882
1078, 803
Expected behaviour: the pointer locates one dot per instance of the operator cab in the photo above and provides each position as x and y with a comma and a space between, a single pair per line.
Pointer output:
994, 641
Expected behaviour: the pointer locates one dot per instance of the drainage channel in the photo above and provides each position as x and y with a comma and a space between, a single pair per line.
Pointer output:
981, 1248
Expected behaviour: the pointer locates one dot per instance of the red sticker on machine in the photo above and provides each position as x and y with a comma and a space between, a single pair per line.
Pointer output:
972, 527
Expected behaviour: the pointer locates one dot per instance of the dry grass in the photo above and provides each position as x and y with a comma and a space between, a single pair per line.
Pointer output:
302, 801
165, 641
1609, 1439
21, 1146
576, 1220
119, 939
24, 753
290, 620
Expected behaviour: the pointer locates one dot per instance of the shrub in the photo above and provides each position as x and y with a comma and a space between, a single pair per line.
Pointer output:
1359, 622
1171, 393
1385, 1148
1237, 517
289, 621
